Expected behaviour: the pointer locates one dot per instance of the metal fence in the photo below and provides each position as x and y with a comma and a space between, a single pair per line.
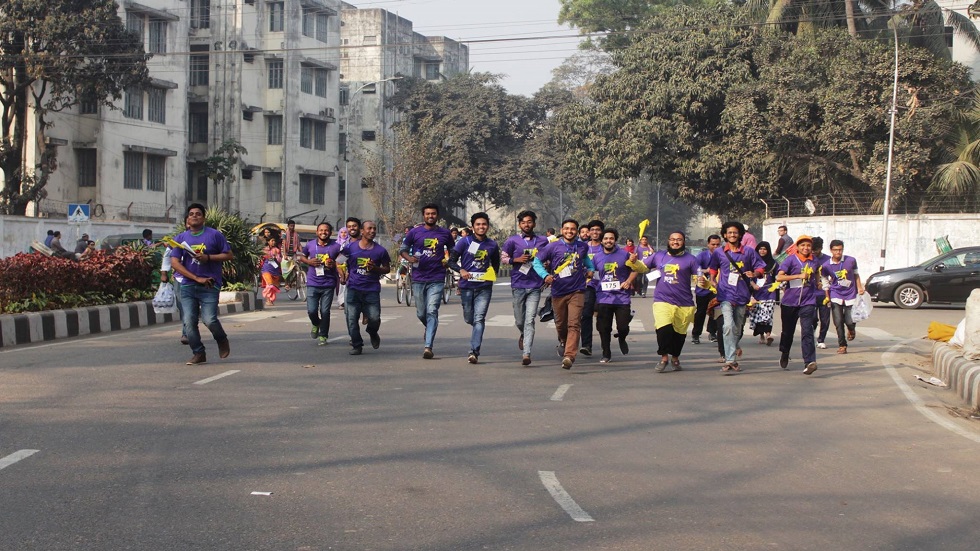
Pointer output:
132, 212
870, 203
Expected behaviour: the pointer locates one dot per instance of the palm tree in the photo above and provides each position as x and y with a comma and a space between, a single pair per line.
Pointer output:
960, 177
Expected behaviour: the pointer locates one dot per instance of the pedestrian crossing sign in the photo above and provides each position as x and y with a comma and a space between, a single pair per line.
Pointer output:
78, 212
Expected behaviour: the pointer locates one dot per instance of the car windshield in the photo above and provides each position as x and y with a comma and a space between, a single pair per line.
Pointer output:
960, 259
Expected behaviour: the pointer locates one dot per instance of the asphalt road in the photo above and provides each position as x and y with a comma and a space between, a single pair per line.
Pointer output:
387, 451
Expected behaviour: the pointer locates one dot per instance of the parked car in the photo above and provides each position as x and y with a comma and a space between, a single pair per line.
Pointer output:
111, 242
949, 277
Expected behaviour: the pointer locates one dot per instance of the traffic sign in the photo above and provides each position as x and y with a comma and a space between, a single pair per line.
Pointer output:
78, 212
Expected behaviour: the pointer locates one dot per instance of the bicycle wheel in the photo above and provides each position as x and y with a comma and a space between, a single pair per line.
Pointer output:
409, 292
399, 288
301, 286
447, 289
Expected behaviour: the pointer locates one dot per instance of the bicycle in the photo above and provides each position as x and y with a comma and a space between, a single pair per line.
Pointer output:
450, 287
294, 281
403, 284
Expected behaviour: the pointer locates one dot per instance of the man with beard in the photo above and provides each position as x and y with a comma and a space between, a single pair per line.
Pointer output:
673, 271
350, 233
588, 309
477, 259
799, 302
823, 307
617, 271
703, 295
569, 268
428, 244
734, 269
525, 283
320, 255
368, 262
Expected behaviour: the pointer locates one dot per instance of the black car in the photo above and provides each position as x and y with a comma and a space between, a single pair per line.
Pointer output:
949, 277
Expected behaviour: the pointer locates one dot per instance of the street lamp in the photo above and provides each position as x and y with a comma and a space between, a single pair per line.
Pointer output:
350, 107
891, 150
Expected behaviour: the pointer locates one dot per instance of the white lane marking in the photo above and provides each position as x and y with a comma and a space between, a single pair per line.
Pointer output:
566, 502
917, 402
876, 334
560, 393
15, 457
216, 377
256, 315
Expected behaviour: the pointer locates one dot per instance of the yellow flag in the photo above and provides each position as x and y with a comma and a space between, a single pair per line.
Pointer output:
643, 228
490, 275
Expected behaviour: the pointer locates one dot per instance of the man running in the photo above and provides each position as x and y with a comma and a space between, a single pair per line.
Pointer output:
367, 262
673, 302
841, 272
823, 308
477, 259
201, 286
801, 272
703, 295
525, 283
734, 269
617, 271
320, 255
588, 309
350, 233
428, 244
569, 267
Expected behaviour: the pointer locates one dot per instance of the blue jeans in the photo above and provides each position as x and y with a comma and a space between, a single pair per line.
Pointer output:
476, 302
807, 317
356, 303
200, 303
525, 311
428, 297
734, 315
318, 302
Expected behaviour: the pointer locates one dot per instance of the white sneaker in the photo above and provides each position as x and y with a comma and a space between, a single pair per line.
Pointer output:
821, 345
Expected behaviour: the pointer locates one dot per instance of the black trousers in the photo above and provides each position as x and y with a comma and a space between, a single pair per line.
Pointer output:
670, 342
588, 311
823, 312
604, 323
700, 314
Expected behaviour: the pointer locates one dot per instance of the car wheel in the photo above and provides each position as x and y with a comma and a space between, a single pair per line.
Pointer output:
909, 295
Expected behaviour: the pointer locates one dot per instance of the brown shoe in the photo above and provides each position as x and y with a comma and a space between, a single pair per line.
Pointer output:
842, 350
850, 334
198, 359
224, 349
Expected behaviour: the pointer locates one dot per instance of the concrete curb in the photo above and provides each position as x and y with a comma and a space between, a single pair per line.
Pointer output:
34, 327
962, 375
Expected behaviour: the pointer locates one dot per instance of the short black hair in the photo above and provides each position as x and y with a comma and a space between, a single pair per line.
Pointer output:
714, 236
597, 223
567, 220
782, 228
836, 243
612, 231
525, 213
290, 222
478, 216
327, 224
550, 230
147, 233
353, 219
431, 206
199, 206
818, 243
50, 232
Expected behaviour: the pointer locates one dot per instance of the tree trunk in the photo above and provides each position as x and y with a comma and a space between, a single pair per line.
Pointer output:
851, 23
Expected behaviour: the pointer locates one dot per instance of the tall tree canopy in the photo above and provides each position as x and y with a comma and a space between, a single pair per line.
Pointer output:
53, 54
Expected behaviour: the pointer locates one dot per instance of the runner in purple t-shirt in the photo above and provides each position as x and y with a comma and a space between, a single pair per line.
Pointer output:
643, 251
588, 307
427, 247
673, 271
477, 259
801, 274
525, 283
842, 291
320, 255
617, 271
367, 262
202, 281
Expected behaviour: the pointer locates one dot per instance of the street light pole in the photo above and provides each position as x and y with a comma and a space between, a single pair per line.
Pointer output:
891, 150
350, 107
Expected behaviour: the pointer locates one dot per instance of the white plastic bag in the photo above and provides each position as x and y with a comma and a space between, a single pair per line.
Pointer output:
861, 309
165, 301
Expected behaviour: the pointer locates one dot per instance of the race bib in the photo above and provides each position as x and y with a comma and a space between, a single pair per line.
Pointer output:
845, 283
474, 246
525, 269
654, 275
795, 283
273, 263
320, 271
341, 260
478, 276
732, 279
610, 286
761, 282
565, 272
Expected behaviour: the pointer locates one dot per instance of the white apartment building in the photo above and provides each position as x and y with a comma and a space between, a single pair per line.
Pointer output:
379, 47
262, 73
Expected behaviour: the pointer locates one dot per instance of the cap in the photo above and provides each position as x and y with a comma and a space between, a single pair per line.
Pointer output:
803, 238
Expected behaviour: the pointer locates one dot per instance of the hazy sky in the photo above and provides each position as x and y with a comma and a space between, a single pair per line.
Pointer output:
527, 64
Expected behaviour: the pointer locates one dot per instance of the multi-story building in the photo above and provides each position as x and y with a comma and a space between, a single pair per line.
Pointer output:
261, 73
379, 47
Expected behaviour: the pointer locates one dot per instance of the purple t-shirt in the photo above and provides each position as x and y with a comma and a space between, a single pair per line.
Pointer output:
704, 258
643, 252
676, 273
796, 294
594, 249
272, 263
516, 246
431, 247
476, 259
572, 277
612, 267
210, 241
358, 277
313, 249
764, 293
842, 276
735, 289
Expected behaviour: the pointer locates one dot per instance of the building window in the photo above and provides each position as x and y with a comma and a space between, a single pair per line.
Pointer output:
319, 190
134, 24
342, 143
274, 126
156, 172
432, 70
276, 16
198, 122
157, 105
368, 136
158, 36
948, 36
344, 95
202, 188
312, 189
273, 187
87, 167
313, 134
199, 64
88, 106
134, 104
200, 14
274, 67
306, 80
319, 135
309, 22
132, 170
370, 40
320, 83
321, 27
341, 190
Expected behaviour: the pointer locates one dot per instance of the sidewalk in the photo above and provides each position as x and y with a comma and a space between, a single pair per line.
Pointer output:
962, 375
34, 327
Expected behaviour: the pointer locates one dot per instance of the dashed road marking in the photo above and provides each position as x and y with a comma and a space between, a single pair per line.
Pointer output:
876, 334
566, 502
15, 457
559, 394
216, 377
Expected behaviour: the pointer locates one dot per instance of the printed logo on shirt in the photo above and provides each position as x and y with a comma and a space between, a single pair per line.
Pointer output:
610, 267
670, 273
842, 274
480, 255
323, 257
430, 243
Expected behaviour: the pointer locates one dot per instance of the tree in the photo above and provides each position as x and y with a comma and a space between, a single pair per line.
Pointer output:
221, 167
53, 54
959, 176
619, 19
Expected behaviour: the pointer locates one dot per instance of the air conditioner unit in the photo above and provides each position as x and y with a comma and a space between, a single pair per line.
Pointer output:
328, 112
